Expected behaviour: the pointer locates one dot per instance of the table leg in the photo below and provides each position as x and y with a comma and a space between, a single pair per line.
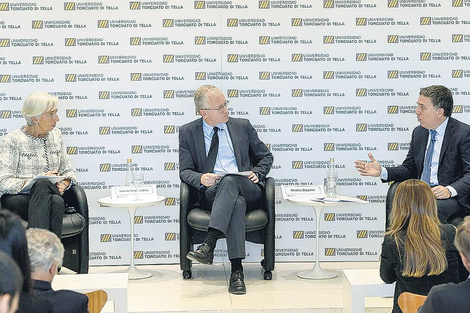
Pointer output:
317, 272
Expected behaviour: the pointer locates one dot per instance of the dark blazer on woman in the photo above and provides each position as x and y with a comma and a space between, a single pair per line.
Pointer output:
391, 267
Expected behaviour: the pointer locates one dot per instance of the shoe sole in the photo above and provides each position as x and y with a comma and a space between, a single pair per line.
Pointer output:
192, 257
235, 292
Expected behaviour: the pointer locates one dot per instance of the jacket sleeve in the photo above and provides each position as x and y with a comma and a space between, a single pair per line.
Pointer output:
387, 261
187, 160
261, 157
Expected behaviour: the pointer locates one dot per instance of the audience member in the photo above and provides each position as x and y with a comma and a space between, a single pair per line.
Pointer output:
13, 242
453, 298
417, 251
46, 253
10, 284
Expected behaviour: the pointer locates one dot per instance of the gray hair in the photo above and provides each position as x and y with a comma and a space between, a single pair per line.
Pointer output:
462, 237
38, 103
44, 249
200, 96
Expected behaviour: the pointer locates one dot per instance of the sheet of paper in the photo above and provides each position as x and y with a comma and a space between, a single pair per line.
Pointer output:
52, 179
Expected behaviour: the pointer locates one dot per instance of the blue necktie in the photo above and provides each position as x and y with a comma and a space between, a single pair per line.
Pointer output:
212, 155
426, 177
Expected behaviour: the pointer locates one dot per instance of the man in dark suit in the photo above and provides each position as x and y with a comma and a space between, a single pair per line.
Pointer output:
45, 253
439, 154
453, 298
210, 148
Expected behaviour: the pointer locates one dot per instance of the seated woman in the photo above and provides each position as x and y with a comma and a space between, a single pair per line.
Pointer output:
418, 251
36, 149
13, 242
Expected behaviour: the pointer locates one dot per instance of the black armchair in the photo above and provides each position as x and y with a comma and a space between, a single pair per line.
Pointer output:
260, 226
75, 230
455, 219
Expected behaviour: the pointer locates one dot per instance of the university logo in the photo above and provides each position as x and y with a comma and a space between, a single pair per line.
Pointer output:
134, 5
138, 219
169, 166
70, 78
169, 129
136, 77
103, 59
361, 92
361, 127
38, 60
264, 4
392, 38
136, 112
200, 76
232, 58
198, 5
361, 56
233, 93
72, 150
170, 236
104, 95
4, 42
168, 58
264, 75
168, 22
330, 251
232, 22
425, 56
135, 41
297, 93
170, 201
168, 94
393, 3
328, 39
457, 3
457, 108
297, 165
362, 197
328, 4
295, 21
328, 146
457, 73
328, 75
105, 167
297, 128
392, 74
4, 6
425, 20
70, 42
457, 37
5, 79
361, 234
361, 21
136, 149
297, 57
138, 255
329, 110
329, 217
264, 40
264, 111
71, 113
5, 114
392, 146
392, 109
69, 6
103, 24
105, 238
200, 40
104, 130
298, 234
37, 24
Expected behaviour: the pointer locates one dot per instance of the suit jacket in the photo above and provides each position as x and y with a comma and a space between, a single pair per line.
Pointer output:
64, 301
250, 152
449, 298
391, 267
454, 159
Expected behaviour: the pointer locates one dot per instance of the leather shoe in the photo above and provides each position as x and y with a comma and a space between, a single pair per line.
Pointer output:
237, 283
203, 254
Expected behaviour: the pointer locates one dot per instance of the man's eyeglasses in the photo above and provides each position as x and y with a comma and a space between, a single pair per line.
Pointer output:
222, 107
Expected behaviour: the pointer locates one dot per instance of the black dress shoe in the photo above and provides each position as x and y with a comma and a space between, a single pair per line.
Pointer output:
203, 254
237, 283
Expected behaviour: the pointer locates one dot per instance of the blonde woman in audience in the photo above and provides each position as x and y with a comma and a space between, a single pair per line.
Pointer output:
418, 251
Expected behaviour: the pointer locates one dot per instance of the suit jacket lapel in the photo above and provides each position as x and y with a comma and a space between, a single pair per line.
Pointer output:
421, 145
199, 141
233, 131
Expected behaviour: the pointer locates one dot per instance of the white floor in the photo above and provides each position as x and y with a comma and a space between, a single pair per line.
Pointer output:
207, 291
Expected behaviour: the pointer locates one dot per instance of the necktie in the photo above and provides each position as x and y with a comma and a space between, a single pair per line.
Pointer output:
426, 177
212, 155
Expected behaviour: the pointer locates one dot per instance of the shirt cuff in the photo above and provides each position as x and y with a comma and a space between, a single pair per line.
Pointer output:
452, 190
383, 173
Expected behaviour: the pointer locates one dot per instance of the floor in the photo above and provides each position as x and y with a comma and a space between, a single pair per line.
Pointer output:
207, 291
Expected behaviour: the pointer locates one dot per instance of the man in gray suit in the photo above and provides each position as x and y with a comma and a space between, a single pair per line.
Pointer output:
210, 148
453, 298
439, 154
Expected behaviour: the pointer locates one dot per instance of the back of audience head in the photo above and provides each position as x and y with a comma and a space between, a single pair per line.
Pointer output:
462, 241
13, 242
415, 225
11, 281
45, 251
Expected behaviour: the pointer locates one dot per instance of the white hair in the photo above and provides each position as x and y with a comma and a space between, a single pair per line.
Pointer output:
44, 249
38, 103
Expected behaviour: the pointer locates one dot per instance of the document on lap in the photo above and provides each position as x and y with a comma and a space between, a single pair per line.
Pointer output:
222, 174
53, 179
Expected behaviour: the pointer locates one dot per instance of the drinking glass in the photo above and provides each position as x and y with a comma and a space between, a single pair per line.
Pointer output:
138, 180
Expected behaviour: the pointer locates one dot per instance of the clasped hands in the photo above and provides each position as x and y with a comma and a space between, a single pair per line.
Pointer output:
373, 168
209, 179
61, 185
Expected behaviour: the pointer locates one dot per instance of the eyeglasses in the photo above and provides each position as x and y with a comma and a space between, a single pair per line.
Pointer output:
221, 108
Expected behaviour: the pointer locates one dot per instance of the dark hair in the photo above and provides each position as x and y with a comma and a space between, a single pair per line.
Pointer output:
11, 279
441, 97
13, 242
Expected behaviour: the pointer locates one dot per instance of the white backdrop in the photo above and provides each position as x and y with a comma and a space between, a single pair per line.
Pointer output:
317, 79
